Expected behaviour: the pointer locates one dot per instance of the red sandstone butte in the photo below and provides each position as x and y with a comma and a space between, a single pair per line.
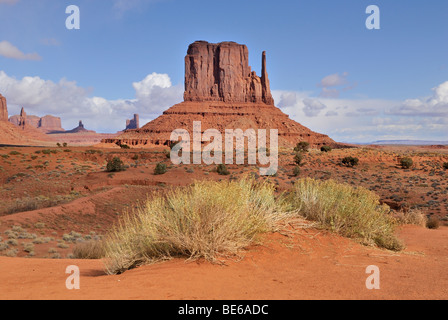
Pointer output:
3, 109
222, 92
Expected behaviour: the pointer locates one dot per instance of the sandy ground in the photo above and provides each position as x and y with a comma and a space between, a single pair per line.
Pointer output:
308, 264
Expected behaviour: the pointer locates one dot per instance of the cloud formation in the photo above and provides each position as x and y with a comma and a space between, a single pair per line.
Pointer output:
434, 106
8, 50
72, 103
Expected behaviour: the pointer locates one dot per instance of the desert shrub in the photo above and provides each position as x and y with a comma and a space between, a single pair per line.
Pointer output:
346, 210
326, 149
135, 157
160, 168
298, 158
14, 153
445, 165
433, 223
350, 161
64, 144
125, 146
222, 170
413, 216
296, 171
406, 163
302, 146
46, 151
115, 165
92, 249
205, 220
58, 144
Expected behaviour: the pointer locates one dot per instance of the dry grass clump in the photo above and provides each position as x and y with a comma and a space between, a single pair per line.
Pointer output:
92, 249
205, 220
351, 212
413, 216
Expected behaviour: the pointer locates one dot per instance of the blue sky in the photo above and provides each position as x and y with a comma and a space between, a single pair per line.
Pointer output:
327, 70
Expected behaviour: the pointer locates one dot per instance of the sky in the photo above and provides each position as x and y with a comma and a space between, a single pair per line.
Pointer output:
327, 70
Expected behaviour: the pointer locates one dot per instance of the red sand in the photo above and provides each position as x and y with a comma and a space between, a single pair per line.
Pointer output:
312, 264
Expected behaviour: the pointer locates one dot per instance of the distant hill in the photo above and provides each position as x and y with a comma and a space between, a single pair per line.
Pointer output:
409, 142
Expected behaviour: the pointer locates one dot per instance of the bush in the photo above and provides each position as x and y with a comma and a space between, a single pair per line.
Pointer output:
205, 220
433, 223
298, 158
124, 146
93, 249
115, 165
222, 170
302, 147
406, 163
413, 216
445, 165
296, 171
325, 149
160, 168
14, 153
350, 161
351, 212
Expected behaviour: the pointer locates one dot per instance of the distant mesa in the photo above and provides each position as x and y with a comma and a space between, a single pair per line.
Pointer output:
46, 124
222, 92
133, 123
79, 129
12, 135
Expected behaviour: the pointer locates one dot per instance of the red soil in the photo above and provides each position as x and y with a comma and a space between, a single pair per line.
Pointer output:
309, 265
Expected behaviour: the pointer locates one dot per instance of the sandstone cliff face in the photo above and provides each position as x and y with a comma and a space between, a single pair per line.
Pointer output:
221, 72
3, 109
46, 124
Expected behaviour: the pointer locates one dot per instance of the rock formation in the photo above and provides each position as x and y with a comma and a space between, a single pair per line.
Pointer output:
133, 123
222, 92
46, 124
3, 109
221, 72
79, 129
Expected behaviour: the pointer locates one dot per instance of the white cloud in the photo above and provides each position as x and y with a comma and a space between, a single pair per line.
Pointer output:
9, 1
434, 106
313, 107
334, 80
72, 103
8, 50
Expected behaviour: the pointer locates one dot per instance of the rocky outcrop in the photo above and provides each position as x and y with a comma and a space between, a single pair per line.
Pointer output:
3, 109
133, 123
45, 124
223, 93
221, 72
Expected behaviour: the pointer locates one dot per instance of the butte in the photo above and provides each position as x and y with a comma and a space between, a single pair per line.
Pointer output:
222, 92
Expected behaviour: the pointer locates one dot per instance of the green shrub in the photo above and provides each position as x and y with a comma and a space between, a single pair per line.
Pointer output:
351, 212
115, 165
302, 146
433, 223
222, 170
14, 153
350, 161
325, 149
296, 171
445, 165
124, 146
298, 158
406, 163
160, 168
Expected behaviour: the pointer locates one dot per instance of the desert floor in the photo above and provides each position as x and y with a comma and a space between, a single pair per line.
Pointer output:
52, 198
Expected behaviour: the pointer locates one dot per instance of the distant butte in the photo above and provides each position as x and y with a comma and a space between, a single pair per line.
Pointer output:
222, 92
46, 124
